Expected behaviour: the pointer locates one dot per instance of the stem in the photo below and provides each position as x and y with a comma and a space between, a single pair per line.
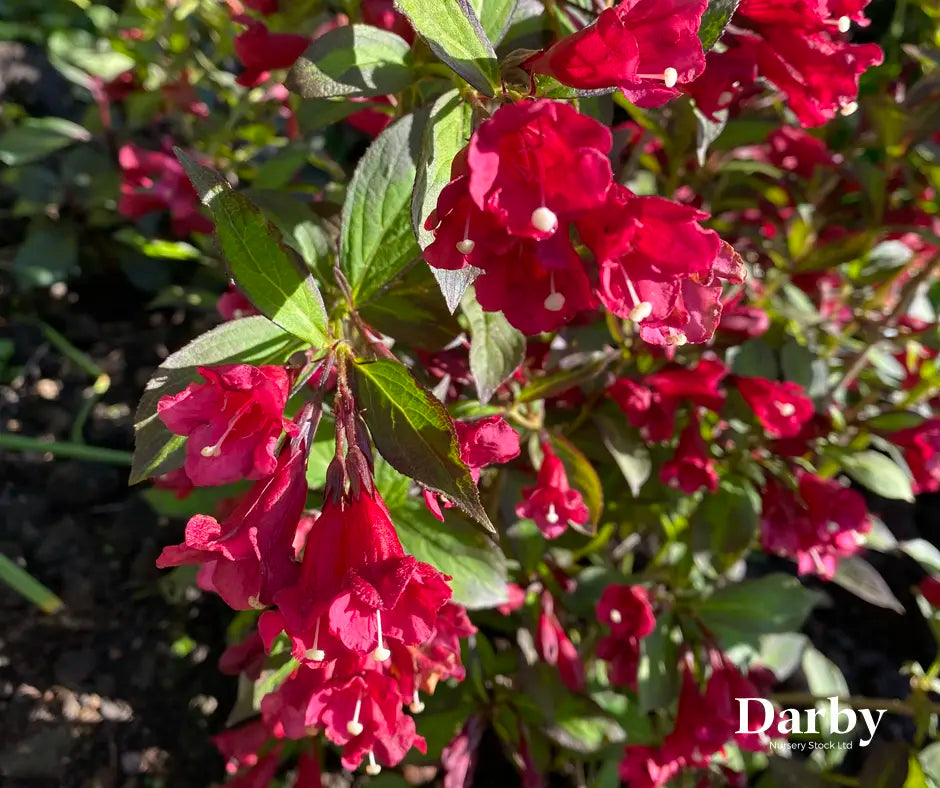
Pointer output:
76, 451
28, 586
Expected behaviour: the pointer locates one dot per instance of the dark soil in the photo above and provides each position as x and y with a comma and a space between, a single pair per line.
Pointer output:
97, 696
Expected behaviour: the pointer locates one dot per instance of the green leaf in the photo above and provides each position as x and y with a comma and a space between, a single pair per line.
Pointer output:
891, 422
265, 270
929, 758
28, 587
496, 348
455, 35
250, 340
742, 611
862, 579
352, 61
878, 473
726, 522
33, 139
495, 16
445, 134
376, 240
715, 20
455, 547
657, 673
583, 478
562, 379
49, 254
412, 431
755, 359
782, 652
627, 448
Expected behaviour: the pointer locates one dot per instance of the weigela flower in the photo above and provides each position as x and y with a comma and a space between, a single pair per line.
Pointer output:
551, 501
261, 51
629, 614
818, 525
555, 648
233, 305
232, 422
250, 555
781, 408
921, 447
155, 181
459, 758
691, 467
643, 47
483, 442
929, 588
800, 48
357, 584
382, 13
651, 405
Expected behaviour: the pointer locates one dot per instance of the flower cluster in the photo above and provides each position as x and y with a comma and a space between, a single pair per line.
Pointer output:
370, 627
531, 189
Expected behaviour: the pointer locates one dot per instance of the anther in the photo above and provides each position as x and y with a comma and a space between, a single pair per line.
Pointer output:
372, 768
641, 311
786, 409
466, 246
544, 220
551, 516
849, 108
417, 705
316, 654
354, 727
615, 617
669, 77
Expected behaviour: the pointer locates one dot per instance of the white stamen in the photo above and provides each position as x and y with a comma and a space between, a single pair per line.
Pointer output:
417, 706
677, 338
551, 516
354, 727
466, 246
316, 654
381, 653
820, 566
554, 301
255, 602
786, 409
641, 311
849, 109
211, 451
615, 617
372, 768
544, 220
669, 76
832, 527
216, 449
845, 24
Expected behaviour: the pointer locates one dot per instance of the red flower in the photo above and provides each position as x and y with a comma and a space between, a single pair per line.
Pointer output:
233, 305
357, 584
459, 758
643, 47
550, 501
155, 181
263, 7
921, 446
556, 649
250, 556
628, 613
781, 408
929, 588
818, 527
516, 599
692, 467
797, 46
261, 51
382, 13
232, 422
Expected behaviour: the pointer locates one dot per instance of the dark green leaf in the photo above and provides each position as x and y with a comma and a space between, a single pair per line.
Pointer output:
891, 422
496, 348
862, 579
742, 611
878, 473
250, 340
726, 522
445, 135
48, 255
657, 673
412, 431
455, 35
35, 138
755, 359
265, 270
562, 380
583, 478
715, 20
376, 241
627, 448
352, 61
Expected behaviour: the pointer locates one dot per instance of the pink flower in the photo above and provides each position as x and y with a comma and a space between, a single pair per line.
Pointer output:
250, 555
232, 422
643, 47
800, 48
155, 181
628, 613
691, 467
818, 526
261, 51
516, 595
357, 584
921, 446
781, 408
233, 305
556, 649
550, 501
459, 758
382, 13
